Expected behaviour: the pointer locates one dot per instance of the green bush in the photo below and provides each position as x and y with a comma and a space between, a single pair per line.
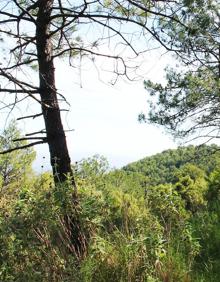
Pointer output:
116, 232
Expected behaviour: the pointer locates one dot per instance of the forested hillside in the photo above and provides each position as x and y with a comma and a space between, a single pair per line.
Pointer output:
156, 220
161, 168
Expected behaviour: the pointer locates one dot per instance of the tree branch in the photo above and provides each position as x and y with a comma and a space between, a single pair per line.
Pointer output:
30, 138
37, 132
31, 116
22, 147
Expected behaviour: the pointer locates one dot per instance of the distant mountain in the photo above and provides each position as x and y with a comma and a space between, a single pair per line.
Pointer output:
161, 167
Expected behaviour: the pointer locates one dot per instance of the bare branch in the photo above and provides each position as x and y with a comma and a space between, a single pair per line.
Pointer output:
37, 132
23, 147
29, 138
15, 80
31, 116
18, 91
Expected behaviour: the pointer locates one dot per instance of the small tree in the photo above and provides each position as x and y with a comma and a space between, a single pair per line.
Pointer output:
192, 186
16, 166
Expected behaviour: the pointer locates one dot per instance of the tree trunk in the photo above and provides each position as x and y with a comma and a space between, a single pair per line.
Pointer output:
59, 155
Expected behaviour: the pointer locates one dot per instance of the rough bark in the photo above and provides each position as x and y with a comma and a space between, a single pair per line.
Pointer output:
60, 159
56, 139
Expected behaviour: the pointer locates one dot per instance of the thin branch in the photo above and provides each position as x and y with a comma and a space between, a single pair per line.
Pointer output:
25, 62
34, 6
23, 147
16, 81
29, 138
26, 91
87, 51
36, 132
31, 116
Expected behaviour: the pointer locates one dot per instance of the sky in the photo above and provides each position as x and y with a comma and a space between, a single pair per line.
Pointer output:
103, 118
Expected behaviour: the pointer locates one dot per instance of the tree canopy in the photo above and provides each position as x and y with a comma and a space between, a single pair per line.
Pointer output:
188, 103
162, 167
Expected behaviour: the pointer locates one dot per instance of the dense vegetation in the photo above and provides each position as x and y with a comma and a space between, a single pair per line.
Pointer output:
161, 168
155, 220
